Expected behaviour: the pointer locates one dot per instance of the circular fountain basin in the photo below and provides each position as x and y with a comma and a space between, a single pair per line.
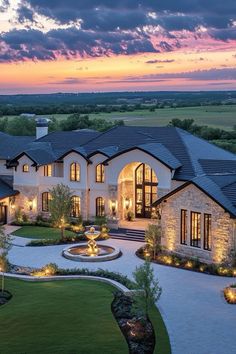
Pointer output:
79, 253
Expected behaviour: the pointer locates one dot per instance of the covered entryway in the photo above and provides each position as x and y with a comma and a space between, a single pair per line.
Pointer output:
137, 190
3, 214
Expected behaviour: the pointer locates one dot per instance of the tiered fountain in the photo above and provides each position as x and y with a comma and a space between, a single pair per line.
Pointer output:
91, 251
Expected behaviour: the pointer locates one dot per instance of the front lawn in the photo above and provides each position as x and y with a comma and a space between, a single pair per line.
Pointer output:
60, 317
39, 232
71, 317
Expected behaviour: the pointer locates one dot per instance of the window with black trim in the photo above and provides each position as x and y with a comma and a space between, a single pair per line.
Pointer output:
195, 234
183, 227
100, 206
25, 168
75, 210
100, 173
47, 170
207, 232
75, 172
46, 196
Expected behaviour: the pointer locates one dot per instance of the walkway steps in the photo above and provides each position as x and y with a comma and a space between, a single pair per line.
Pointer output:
128, 235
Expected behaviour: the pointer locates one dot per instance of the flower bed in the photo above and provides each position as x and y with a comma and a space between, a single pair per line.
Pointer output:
193, 264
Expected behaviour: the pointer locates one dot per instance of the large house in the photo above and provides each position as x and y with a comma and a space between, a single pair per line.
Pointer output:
188, 181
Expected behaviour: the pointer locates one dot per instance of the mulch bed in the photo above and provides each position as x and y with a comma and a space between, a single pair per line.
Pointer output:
138, 331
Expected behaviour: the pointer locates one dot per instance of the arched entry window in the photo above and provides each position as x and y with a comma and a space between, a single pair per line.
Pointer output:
100, 206
145, 190
75, 210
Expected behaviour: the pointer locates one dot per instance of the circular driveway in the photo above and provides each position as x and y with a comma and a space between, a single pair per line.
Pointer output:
198, 319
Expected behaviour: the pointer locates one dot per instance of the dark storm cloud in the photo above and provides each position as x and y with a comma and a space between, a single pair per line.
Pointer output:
216, 13
36, 45
114, 27
4, 5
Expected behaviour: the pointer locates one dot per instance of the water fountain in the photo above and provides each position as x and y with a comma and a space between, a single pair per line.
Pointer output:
91, 251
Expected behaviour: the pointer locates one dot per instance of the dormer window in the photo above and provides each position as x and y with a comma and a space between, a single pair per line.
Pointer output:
100, 173
47, 170
25, 168
75, 172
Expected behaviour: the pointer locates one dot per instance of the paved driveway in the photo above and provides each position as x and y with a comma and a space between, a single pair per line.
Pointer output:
197, 318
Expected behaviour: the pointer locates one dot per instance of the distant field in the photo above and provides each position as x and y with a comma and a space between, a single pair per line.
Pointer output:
223, 117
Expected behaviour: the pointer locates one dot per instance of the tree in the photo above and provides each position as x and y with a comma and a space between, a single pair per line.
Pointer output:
148, 288
60, 206
5, 245
153, 237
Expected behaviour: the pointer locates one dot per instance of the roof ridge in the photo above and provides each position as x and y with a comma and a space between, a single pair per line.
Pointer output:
96, 137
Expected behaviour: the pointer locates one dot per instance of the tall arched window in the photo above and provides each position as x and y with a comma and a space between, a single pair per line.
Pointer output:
75, 210
100, 173
46, 196
100, 206
145, 189
75, 172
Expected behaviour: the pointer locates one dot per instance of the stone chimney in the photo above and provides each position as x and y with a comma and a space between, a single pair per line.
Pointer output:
41, 127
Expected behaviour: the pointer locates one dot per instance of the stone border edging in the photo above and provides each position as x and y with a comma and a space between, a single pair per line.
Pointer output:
116, 284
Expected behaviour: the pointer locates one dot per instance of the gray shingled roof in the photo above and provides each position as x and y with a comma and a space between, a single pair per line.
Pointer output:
192, 158
13, 145
6, 190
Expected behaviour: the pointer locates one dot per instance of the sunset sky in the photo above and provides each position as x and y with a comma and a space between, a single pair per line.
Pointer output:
104, 45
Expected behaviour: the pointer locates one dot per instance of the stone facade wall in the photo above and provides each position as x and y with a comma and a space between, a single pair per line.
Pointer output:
193, 199
28, 194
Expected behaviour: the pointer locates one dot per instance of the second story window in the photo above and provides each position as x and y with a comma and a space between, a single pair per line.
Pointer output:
47, 170
75, 172
100, 173
25, 168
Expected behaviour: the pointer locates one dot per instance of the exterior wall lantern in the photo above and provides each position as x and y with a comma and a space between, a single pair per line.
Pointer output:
127, 203
113, 207
30, 204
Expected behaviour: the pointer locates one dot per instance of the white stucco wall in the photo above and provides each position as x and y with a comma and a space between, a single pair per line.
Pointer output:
116, 165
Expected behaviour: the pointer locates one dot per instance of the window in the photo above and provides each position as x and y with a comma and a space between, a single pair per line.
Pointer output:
100, 173
47, 170
45, 201
25, 168
75, 172
75, 210
195, 236
207, 232
100, 207
183, 228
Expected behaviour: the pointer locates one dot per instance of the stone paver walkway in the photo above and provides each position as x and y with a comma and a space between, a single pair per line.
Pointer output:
197, 318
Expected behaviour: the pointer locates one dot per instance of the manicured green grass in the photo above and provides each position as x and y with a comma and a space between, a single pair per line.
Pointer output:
38, 232
162, 338
66, 317
71, 317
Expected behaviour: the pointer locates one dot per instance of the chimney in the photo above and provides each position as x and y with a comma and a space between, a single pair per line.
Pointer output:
41, 127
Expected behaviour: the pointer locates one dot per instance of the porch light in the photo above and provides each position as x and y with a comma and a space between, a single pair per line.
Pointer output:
113, 207
127, 203
30, 205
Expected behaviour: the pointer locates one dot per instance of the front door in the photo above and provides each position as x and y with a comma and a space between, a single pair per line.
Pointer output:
3, 214
145, 191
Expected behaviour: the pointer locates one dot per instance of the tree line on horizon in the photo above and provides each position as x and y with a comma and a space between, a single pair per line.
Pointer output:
24, 126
